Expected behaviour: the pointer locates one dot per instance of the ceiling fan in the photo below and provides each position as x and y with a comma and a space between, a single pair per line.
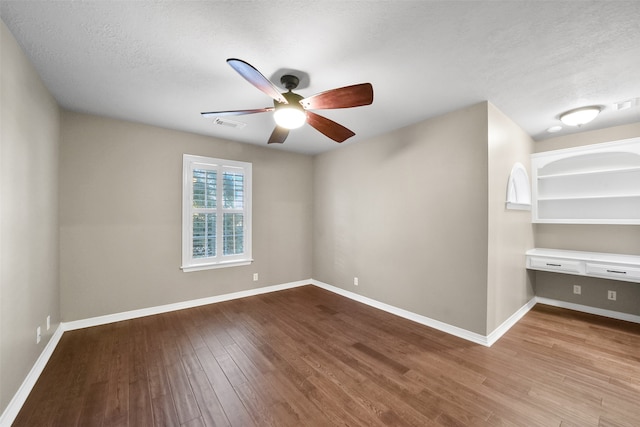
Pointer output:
292, 110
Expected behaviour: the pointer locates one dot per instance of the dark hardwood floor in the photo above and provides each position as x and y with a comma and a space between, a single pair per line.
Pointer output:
306, 356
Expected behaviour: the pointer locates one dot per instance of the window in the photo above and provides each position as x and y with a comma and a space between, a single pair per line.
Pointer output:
216, 213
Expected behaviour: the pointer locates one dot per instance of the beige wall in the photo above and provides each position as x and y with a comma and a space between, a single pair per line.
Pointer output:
417, 215
29, 291
120, 217
510, 232
406, 213
623, 239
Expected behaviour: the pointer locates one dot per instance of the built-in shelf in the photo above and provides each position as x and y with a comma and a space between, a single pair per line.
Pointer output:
593, 172
594, 184
518, 189
589, 197
594, 264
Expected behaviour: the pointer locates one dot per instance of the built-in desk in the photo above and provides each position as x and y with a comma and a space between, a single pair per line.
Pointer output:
594, 264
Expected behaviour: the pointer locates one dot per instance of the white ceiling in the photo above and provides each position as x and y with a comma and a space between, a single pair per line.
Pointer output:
163, 62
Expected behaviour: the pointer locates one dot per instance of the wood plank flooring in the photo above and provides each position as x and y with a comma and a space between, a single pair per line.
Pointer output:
308, 357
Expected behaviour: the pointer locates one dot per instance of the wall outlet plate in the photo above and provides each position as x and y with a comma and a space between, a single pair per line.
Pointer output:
611, 295
577, 289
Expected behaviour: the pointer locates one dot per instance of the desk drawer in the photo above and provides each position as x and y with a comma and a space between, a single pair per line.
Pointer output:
614, 271
554, 264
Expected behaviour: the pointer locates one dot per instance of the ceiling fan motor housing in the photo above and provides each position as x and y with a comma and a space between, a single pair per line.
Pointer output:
292, 98
289, 81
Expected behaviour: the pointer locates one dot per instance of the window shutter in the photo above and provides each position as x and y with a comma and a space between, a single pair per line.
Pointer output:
216, 213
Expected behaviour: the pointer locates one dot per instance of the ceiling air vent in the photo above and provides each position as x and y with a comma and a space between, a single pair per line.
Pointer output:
629, 103
229, 123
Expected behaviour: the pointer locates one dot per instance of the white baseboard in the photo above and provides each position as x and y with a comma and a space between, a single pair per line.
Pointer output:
134, 314
591, 310
14, 406
12, 410
423, 320
507, 324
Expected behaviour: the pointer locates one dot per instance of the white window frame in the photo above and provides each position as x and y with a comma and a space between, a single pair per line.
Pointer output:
189, 263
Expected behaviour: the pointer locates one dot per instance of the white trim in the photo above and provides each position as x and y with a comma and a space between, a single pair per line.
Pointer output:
133, 314
591, 310
13, 408
423, 320
11, 412
518, 206
604, 146
221, 166
510, 322
224, 264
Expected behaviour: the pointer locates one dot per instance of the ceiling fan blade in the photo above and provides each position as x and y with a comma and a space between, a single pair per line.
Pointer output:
331, 129
236, 112
278, 135
344, 97
254, 77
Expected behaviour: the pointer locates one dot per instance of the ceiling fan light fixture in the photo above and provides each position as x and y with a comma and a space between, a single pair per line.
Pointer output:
580, 116
290, 117
290, 109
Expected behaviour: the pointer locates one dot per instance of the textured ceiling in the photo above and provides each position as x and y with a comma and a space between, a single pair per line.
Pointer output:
163, 62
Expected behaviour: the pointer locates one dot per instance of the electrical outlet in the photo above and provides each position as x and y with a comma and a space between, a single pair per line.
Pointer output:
255, 277
611, 295
38, 335
48, 322
577, 289
355, 281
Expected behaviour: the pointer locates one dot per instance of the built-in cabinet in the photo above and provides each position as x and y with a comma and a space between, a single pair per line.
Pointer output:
594, 264
594, 184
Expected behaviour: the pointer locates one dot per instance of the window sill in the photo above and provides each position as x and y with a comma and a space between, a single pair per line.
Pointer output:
199, 267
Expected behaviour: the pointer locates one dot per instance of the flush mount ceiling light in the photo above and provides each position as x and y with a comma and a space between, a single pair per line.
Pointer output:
580, 116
